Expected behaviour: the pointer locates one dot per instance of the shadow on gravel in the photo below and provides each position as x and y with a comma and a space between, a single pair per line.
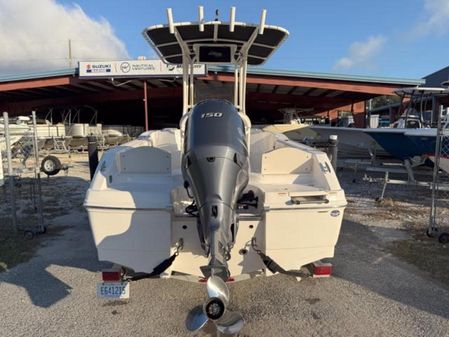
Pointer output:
68, 243
363, 258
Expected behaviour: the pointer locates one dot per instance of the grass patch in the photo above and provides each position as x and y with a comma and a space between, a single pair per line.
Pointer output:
61, 196
15, 249
425, 253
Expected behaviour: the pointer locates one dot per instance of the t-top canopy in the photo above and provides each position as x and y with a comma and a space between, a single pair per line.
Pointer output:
415, 91
215, 33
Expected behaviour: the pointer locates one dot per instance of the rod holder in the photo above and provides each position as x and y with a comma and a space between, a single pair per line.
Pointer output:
263, 17
171, 26
232, 20
201, 18
333, 150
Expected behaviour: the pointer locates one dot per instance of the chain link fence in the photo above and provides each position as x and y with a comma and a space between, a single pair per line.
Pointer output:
21, 205
439, 213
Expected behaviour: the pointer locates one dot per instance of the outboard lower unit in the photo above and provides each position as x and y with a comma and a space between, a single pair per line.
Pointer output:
215, 170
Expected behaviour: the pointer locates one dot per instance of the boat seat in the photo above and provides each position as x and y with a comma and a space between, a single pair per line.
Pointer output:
286, 160
165, 138
261, 142
267, 158
145, 160
168, 140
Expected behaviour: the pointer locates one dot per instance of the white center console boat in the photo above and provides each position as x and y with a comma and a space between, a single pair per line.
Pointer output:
214, 200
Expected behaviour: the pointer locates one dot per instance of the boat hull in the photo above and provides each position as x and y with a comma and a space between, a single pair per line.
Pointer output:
296, 132
141, 239
137, 207
444, 162
424, 140
395, 143
352, 142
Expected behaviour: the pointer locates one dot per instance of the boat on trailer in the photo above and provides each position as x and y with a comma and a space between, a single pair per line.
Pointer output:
443, 162
292, 126
214, 200
18, 127
409, 138
352, 142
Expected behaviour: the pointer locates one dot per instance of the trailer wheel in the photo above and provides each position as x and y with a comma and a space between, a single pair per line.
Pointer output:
28, 235
444, 238
51, 165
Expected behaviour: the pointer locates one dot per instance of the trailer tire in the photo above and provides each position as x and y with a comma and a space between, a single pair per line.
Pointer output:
444, 238
51, 165
28, 235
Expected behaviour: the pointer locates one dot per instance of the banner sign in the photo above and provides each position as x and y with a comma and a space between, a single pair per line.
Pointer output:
134, 68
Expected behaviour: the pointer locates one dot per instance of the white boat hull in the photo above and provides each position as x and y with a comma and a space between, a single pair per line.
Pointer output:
444, 162
13, 139
352, 142
136, 206
16, 132
294, 131
141, 239
50, 130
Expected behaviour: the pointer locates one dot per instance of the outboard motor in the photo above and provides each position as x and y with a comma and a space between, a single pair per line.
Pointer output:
215, 169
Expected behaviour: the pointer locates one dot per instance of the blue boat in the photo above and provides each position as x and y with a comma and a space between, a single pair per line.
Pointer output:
395, 142
424, 140
409, 138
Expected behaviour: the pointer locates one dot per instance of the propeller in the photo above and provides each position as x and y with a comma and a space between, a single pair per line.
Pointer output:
215, 310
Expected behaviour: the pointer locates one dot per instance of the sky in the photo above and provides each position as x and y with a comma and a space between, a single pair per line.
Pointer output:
400, 38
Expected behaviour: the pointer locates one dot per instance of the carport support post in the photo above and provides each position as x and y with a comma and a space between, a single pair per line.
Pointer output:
92, 151
145, 102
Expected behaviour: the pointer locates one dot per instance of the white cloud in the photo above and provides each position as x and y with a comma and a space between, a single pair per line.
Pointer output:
34, 35
437, 18
361, 54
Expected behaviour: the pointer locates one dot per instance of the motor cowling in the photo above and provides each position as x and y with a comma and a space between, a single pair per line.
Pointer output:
215, 169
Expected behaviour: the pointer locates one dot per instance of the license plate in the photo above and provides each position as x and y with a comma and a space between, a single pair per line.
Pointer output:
113, 289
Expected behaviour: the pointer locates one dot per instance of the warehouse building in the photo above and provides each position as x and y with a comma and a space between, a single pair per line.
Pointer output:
156, 101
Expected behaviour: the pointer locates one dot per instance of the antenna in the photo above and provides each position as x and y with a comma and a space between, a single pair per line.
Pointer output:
201, 18
171, 26
263, 16
70, 53
232, 20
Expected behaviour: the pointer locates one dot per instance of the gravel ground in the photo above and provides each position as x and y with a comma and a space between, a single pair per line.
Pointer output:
372, 292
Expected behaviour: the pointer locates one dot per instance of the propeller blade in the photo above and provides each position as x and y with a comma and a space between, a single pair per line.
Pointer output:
231, 323
216, 287
196, 319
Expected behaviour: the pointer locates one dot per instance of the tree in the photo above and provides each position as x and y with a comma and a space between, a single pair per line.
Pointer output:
381, 101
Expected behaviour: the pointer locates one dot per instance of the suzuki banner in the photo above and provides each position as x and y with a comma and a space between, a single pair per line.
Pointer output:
134, 69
